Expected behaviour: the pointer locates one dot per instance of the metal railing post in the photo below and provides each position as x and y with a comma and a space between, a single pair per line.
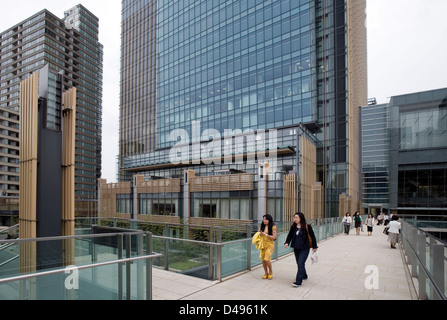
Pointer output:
219, 254
275, 252
211, 255
120, 267
422, 279
149, 266
412, 240
140, 268
248, 228
166, 234
128, 265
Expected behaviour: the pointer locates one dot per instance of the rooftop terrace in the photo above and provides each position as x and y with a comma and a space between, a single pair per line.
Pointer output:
345, 262
134, 264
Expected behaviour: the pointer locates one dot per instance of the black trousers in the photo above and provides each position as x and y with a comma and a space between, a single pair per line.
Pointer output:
301, 257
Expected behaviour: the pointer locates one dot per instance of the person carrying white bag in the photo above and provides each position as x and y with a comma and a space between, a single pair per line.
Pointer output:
301, 238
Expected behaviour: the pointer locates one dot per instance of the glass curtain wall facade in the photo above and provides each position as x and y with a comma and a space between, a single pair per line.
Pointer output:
375, 142
69, 45
238, 65
404, 154
419, 152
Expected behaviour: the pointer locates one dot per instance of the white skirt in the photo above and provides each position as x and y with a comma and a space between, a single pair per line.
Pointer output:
393, 237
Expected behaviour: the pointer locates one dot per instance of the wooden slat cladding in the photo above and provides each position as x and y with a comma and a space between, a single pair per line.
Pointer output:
357, 93
346, 204
159, 186
157, 218
29, 95
308, 175
302, 192
68, 173
317, 202
229, 182
200, 221
108, 192
68, 161
119, 187
290, 196
29, 99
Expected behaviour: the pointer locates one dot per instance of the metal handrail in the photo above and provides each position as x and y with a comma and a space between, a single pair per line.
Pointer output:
7, 229
422, 264
80, 236
209, 243
99, 264
155, 222
6, 245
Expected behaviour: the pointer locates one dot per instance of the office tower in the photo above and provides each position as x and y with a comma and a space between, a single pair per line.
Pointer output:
248, 65
70, 46
375, 142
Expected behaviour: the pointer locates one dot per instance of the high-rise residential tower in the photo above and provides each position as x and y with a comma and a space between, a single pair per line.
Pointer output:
68, 46
207, 66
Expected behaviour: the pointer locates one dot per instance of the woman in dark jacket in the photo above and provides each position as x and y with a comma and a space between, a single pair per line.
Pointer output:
303, 238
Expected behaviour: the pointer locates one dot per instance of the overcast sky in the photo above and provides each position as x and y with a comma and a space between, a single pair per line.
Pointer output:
407, 47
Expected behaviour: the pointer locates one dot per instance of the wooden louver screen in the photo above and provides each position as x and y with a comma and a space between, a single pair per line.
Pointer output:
229, 182
29, 99
68, 173
68, 161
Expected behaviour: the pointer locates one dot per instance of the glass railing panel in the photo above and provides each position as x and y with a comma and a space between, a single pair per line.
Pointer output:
255, 260
158, 245
55, 253
9, 259
10, 291
319, 232
280, 239
437, 263
188, 257
234, 257
139, 280
106, 282
98, 283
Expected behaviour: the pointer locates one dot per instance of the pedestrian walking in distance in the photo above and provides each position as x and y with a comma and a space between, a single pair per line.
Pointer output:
347, 221
393, 231
357, 222
369, 224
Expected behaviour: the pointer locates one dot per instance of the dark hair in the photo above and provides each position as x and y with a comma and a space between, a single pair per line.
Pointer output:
302, 219
395, 217
270, 225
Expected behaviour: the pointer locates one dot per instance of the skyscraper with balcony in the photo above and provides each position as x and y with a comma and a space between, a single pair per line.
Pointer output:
247, 65
69, 46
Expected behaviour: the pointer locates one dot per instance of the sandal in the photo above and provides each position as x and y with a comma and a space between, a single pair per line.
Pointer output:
264, 277
270, 276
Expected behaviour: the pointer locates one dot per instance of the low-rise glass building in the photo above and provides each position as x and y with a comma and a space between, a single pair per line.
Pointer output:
404, 154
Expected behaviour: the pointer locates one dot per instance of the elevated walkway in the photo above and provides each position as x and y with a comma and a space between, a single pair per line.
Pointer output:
345, 264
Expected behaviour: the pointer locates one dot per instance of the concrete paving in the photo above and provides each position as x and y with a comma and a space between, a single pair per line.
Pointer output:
350, 267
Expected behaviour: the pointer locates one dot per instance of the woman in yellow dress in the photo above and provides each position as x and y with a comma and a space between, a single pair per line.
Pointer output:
268, 232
